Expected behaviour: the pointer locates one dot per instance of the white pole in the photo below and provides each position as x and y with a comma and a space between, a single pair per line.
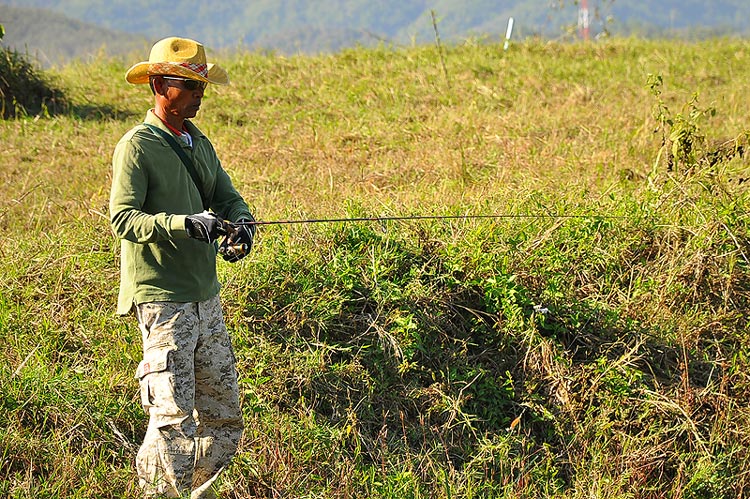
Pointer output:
508, 33
583, 19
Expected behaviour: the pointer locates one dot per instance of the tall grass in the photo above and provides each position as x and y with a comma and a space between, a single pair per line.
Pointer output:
24, 90
603, 353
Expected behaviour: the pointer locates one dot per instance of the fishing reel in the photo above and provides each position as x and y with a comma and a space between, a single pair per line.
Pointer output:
231, 250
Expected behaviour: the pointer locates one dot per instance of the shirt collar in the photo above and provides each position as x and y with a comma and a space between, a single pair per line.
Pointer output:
188, 125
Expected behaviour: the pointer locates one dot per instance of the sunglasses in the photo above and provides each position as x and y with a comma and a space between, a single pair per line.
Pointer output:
188, 84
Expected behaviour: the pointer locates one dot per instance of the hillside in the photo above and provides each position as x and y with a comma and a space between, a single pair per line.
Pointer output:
591, 341
49, 37
295, 26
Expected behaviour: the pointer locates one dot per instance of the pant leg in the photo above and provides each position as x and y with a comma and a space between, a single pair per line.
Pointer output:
216, 400
166, 458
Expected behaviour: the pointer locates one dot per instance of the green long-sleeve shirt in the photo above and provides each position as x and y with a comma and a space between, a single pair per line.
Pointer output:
152, 193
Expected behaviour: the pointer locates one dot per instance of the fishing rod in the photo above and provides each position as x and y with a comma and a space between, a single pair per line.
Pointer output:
238, 249
408, 217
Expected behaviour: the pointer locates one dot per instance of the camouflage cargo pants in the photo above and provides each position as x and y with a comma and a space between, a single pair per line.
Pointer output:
189, 389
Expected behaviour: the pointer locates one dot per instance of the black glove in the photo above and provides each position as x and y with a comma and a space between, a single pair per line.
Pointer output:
238, 242
206, 226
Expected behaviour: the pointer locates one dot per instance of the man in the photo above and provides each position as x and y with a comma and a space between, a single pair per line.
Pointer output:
166, 175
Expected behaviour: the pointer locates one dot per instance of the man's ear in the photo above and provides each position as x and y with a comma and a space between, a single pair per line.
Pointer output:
157, 85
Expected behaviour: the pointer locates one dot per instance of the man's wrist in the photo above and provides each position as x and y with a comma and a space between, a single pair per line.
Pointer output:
177, 226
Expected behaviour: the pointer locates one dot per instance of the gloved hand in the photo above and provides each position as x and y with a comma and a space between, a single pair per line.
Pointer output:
238, 242
206, 226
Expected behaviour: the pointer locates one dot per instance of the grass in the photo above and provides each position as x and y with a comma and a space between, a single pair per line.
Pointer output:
601, 355
23, 89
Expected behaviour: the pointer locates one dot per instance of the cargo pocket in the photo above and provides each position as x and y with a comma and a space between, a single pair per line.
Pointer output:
155, 360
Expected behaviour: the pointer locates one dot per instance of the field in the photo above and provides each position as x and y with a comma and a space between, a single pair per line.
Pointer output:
592, 342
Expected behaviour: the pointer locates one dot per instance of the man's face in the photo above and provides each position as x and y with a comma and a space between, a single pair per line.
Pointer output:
181, 97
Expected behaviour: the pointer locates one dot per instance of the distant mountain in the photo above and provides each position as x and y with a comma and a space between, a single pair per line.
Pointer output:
50, 38
328, 25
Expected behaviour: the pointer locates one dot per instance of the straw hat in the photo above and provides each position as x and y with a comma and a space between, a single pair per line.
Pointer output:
177, 57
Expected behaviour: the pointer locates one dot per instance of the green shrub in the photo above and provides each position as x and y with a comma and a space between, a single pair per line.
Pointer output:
24, 90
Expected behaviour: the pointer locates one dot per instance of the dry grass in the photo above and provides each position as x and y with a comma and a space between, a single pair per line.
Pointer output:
412, 360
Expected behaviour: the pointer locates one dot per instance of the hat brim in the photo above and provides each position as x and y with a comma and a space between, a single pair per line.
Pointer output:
140, 73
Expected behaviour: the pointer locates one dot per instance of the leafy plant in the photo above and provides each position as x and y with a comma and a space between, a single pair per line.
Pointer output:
682, 136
